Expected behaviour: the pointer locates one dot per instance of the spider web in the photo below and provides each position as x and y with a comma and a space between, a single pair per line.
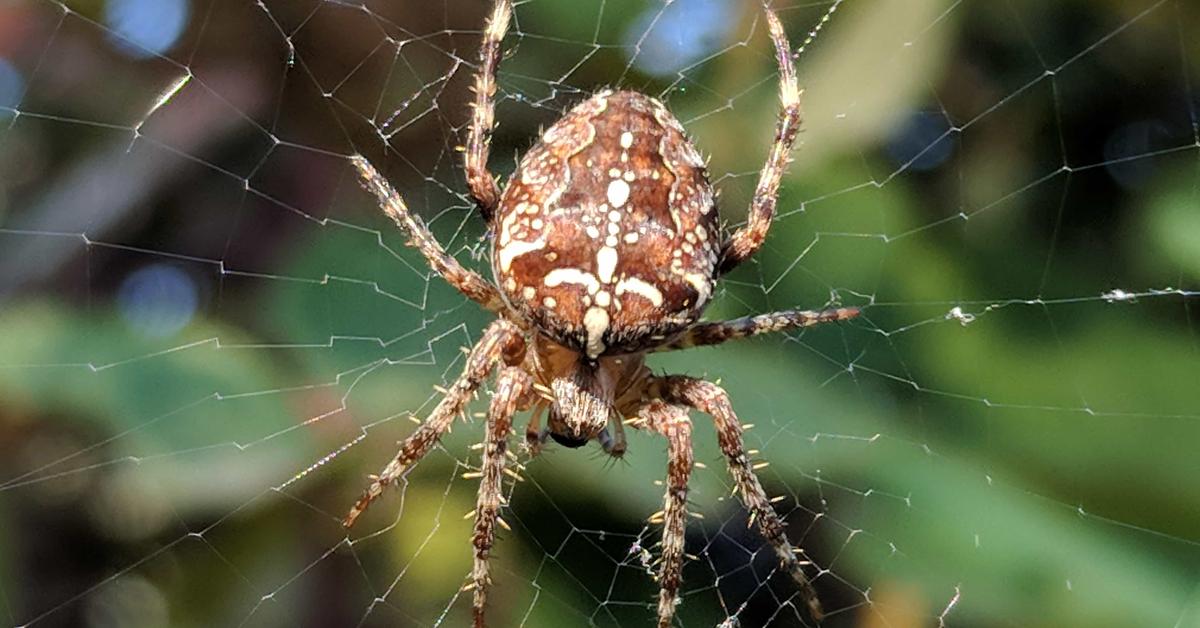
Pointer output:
209, 335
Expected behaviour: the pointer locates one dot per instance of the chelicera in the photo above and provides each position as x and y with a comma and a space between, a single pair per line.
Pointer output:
606, 245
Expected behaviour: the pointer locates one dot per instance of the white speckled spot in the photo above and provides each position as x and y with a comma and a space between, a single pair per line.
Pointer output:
606, 263
559, 276
506, 226
618, 192
595, 321
639, 287
515, 249
549, 302
533, 177
701, 284
603, 298
626, 139
631, 237
529, 292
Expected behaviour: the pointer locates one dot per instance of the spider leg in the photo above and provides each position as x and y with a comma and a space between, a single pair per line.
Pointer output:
672, 422
714, 401
468, 282
746, 241
513, 388
501, 342
715, 333
480, 180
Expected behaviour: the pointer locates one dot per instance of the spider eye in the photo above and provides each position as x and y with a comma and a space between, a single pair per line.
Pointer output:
568, 441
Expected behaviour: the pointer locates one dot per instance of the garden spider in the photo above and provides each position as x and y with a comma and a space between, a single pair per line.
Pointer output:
606, 246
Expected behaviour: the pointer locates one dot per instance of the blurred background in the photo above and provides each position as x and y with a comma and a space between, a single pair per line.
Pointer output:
209, 335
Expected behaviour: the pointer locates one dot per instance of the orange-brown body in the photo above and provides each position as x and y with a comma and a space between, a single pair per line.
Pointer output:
607, 235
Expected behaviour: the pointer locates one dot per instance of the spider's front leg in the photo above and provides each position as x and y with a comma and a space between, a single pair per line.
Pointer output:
465, 281
672, 422
513, 393
746, 241
480, 180
501, 343
711, 399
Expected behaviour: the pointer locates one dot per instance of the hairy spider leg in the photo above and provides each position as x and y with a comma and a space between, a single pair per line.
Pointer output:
480, 180
712, 400
747, 240
502, 342
466, 281
513, 393
717, 332
669, 397
672, 422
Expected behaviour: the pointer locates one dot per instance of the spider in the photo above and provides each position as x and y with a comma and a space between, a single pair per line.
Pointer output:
606, 246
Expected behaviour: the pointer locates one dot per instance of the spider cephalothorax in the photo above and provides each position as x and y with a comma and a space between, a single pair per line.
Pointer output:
607, 244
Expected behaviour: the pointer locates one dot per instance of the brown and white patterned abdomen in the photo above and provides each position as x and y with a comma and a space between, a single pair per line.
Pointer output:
607, 236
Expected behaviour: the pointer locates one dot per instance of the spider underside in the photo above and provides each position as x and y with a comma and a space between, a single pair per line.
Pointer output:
607, 246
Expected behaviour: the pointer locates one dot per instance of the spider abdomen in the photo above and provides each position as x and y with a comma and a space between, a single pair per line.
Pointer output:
607, 234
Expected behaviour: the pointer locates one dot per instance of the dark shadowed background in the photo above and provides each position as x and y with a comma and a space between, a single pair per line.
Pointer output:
209, 335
